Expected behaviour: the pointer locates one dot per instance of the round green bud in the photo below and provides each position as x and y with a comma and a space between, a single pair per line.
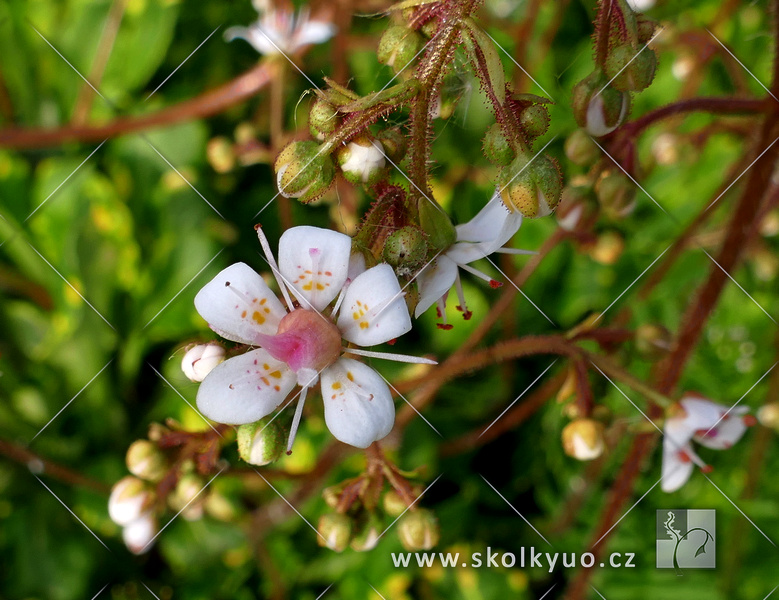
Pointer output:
646, 28
322, 119
367, 535
303, 171
418, 530
335, 530
261, 443
399, 46
187, 491
406, 248
393, 504
534, 120
616, 194
598, 107
220, 154
497, 148
581, 149
395, 144
630, 70
145, 460
531, 188
583, 439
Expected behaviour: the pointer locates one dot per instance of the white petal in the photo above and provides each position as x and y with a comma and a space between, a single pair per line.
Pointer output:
138, 535
373, 310
434, 282
245, 388
726, 433
676, 471
238, 304
313, 32
358, 403
701, 413
494, 224
314, 263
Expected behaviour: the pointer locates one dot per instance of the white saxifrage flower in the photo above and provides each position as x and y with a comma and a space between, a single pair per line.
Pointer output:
303, 343
486, 233
281, 31
710, 424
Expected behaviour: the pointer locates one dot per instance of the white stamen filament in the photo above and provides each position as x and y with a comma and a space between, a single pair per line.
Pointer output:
441, 306
296, 419
244, 298
274, 267
458, 285
404, 358
476, 272
515, 251
340, 299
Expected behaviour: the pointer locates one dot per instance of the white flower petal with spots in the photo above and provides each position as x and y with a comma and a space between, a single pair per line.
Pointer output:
314, 262
238, 304
374, 310
245, 388
358, 404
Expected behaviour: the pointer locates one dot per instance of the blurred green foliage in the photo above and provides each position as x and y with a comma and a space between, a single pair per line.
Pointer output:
103, 253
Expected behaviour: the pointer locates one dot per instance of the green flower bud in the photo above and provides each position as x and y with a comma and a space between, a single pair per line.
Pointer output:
395, 144
393, 504
581, 149
367, 535
436, 224
335, 530
145, 460
534, 120
607, 248
597, 106
322, 119
498, 150
418, 530
187, 493
577, 209
406, 248
303, 171
630, 70
616, 194
653, 341
768, 415
220, 154
362, 160
646, 28
531, 188
261, 443
583, 439
399, 46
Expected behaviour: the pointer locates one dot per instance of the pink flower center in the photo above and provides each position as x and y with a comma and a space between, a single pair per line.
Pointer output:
305, 339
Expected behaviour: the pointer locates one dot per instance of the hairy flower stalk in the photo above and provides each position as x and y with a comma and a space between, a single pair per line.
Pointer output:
303, 343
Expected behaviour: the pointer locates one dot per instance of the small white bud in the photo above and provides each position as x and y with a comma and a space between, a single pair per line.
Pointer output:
138, 535
362, 160
130, 499
200, 360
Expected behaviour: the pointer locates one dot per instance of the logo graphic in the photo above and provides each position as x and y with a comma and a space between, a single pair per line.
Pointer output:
686, 539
